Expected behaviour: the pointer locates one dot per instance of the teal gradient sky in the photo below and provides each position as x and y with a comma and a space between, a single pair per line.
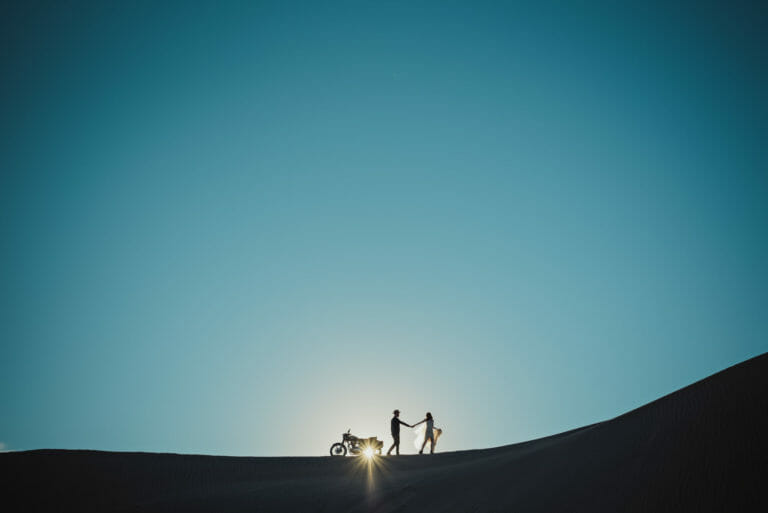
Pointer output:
242, 228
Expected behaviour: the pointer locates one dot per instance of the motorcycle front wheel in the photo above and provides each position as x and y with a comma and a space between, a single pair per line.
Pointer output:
338, 449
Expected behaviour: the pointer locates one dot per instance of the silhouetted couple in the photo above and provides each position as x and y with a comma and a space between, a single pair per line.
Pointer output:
429, 433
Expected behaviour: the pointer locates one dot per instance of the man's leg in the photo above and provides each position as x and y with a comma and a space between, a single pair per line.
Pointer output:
395, 444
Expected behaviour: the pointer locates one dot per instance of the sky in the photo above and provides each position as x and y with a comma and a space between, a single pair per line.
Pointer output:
244, 228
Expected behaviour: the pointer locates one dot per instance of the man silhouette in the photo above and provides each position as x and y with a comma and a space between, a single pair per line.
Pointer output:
395, 427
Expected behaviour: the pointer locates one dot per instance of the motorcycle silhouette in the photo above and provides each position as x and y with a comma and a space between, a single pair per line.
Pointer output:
356, 446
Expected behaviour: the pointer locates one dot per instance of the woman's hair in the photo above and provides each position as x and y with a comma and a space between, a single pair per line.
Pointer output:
429, 415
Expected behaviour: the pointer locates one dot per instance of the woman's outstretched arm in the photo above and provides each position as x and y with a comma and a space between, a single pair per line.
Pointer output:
421, 422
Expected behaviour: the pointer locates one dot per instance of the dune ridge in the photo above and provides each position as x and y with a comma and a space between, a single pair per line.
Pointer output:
700, 448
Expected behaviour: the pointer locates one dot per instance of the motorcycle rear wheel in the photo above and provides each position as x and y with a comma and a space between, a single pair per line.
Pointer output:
338, 449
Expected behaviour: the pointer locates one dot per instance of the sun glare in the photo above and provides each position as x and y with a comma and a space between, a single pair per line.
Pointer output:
368, 452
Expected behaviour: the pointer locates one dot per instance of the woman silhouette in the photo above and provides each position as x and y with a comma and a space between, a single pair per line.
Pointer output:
429, 433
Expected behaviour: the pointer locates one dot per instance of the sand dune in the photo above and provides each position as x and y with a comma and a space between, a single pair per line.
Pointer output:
699, 449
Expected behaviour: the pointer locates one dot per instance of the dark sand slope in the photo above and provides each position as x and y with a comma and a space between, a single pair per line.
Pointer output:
699, 449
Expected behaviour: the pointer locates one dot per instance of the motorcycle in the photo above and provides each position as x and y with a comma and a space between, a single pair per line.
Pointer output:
356, 446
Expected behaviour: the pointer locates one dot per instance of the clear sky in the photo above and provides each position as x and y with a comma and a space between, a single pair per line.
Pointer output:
242, 228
